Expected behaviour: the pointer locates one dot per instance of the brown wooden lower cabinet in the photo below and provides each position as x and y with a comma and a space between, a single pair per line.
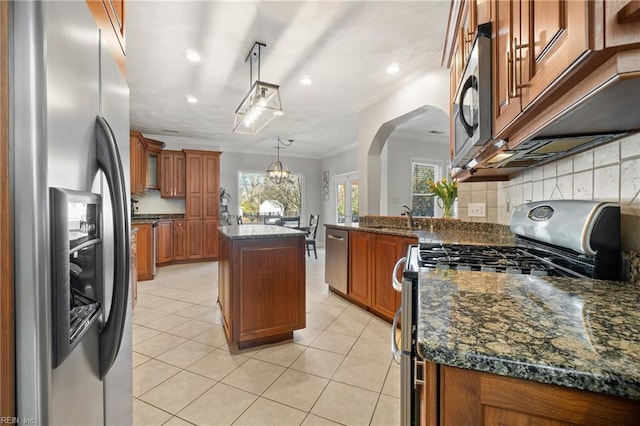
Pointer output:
261, 289
359, 267
372, 257
465, 397
164, 242
202, 239
210, 245
134, 268
144, 239
194, 239
179, 240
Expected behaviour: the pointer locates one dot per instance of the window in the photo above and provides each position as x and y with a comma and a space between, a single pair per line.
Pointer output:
421, 171
260, 197
347, 196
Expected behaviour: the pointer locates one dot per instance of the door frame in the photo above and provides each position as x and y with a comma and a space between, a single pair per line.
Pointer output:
348, 179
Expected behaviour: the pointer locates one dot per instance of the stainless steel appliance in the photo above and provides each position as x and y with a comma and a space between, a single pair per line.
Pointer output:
472, 114
336, 265
568, 238
70, 129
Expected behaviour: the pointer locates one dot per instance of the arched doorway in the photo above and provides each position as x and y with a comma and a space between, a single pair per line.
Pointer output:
403, 145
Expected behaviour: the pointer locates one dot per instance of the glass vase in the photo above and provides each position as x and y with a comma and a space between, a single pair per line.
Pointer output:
446, 205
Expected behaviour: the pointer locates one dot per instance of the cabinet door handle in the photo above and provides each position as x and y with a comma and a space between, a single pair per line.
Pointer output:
510, 74
629, 13
512, 78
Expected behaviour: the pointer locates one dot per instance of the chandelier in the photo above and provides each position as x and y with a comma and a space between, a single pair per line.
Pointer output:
278, 172
262, 103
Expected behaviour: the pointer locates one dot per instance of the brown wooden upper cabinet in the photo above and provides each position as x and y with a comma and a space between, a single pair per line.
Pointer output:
535, 43
172, 172
154, 148
622, 23
110, 17
547, 57
138, 163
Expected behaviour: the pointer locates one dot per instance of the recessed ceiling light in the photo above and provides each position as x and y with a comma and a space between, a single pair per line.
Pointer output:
191, 99
393, 68
192, 55
306, 80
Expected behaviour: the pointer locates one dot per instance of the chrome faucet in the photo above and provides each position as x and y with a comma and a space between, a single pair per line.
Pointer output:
409, 213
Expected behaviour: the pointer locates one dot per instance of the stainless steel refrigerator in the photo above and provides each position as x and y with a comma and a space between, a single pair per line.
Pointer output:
69, 129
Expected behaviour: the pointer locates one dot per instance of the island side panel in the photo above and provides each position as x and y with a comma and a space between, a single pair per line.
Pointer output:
267, 290
224, 284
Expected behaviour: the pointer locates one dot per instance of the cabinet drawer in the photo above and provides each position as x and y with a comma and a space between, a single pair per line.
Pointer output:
178, 224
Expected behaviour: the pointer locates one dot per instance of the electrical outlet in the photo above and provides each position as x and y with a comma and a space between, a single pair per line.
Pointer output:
477, 210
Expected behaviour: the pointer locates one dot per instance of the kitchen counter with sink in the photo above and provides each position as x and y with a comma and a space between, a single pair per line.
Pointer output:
578, 333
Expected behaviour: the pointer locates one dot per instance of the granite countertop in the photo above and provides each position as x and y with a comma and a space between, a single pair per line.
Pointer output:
463, 235
242, 232
153, 218
579, 333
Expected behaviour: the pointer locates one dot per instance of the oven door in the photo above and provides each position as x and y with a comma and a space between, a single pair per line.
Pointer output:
405, 354
472, 105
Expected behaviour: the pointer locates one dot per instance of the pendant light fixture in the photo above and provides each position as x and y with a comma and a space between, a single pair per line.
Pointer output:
262, 104
278, 172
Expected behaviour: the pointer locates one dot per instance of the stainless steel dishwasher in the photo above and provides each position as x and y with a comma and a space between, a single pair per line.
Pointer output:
337, 259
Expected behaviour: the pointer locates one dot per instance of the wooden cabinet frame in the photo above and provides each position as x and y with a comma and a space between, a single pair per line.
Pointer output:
7, 325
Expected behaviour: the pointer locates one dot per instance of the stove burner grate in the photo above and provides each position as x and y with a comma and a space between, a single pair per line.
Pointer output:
509, 260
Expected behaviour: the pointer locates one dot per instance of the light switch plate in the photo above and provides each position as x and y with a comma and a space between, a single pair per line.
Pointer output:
477, 210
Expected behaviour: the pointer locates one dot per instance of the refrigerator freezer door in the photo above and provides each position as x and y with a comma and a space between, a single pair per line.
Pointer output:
56, 90
114, 102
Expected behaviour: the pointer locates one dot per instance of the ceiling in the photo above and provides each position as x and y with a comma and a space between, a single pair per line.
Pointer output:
345, 47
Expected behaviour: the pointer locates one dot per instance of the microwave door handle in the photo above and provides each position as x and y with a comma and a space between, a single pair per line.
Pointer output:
108, 157
470, 84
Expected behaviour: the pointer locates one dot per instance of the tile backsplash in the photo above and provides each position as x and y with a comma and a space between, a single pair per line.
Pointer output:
608, 173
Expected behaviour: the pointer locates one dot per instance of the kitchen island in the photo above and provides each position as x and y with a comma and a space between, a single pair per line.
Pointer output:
505, 346
261, 283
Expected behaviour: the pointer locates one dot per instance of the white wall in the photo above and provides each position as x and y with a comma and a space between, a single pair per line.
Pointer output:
396, 168
337, 164
432, 89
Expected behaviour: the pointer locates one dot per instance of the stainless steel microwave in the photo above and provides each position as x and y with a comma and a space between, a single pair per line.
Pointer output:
471, 110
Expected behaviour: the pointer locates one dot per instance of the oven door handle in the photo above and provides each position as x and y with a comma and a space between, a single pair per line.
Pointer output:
395, 350
397, 285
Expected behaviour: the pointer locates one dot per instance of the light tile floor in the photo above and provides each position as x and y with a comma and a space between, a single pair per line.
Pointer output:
338, 370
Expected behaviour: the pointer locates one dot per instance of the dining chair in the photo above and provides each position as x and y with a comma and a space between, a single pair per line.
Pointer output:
310, 241
290, 222
272, 220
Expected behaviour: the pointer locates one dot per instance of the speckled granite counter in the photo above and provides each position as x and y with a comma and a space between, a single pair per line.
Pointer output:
488, 234
152, 218
579, 333
243, 232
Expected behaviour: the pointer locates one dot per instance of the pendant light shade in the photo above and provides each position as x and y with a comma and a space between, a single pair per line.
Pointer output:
262, 104
277, 171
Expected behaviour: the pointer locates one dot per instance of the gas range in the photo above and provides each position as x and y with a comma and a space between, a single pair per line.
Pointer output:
568, 238
553, 238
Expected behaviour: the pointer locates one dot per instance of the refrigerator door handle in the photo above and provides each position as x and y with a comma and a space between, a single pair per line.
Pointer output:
109, 161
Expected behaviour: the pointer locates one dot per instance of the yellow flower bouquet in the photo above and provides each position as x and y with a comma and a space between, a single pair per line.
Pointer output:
447, 192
